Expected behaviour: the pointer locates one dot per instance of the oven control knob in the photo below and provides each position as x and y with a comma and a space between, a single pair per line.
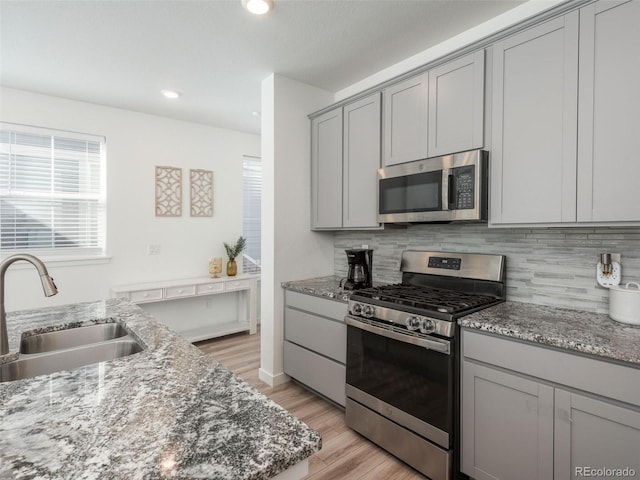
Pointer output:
412, 323
367, 311
427, 325
356, 309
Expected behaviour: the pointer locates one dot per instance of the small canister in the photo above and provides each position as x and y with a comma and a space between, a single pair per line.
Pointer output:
624, 303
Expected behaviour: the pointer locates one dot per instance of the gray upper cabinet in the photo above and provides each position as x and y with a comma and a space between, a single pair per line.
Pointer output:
405, 120
456, 105
361, 161
533, 151
345, 158
326, 170
566, 107
436, 113
608, 164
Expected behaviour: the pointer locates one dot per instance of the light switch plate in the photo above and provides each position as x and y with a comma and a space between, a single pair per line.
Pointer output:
153, 249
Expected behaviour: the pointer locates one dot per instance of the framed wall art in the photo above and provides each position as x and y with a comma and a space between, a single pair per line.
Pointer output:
168, 192
201, 188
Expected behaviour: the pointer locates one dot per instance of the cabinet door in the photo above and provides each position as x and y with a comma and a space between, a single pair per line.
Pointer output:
405, 120
326, 170
456, 105
593, 434
507, 426
533, 161
361, 157
609, 166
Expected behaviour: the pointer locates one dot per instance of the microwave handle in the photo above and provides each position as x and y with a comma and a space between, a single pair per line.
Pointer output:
451, 192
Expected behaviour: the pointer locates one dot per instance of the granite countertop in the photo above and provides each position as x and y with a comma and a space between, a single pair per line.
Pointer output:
166, 412
585, 332
330, 287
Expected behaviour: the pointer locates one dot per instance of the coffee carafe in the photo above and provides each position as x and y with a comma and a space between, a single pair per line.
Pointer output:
359, 273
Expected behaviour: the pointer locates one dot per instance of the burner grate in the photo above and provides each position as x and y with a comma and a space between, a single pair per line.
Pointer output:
430, 299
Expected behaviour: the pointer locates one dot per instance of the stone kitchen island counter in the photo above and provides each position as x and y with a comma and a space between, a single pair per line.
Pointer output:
166, 412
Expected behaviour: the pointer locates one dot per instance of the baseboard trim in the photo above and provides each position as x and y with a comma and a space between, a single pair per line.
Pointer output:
272, 380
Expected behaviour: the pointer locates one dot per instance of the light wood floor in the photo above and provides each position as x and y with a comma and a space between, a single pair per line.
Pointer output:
344, 454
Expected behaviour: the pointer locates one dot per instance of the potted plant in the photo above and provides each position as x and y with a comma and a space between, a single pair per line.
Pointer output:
232, 253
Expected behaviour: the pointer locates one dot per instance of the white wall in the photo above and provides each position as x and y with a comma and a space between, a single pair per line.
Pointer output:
290, 251
136, 143
475, 34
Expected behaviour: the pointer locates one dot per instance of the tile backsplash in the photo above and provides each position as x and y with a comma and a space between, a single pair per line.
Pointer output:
546, 266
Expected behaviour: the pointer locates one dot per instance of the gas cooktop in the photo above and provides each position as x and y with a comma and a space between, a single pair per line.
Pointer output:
424, 299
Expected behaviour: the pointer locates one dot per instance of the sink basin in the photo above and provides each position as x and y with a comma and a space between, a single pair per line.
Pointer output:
27, 366
72, 337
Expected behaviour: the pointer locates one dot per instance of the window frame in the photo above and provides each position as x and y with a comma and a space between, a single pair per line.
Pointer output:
72, 255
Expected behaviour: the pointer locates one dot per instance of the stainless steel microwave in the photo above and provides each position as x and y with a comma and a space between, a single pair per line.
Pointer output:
450, 188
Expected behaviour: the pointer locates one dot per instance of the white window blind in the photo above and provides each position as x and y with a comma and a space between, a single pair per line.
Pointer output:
52, 197
251, 216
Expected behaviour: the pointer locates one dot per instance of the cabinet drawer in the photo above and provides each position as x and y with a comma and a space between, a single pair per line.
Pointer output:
317, 305
586, 373
141, 296
327, 337
181, 291
319, 373
237, 285
208, 288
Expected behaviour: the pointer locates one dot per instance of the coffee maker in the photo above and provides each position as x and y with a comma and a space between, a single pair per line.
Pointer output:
359, 274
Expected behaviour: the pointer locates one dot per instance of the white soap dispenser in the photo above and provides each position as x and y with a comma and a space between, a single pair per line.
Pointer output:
609, 270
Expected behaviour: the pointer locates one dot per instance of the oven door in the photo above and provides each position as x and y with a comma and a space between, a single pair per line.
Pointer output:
405, 378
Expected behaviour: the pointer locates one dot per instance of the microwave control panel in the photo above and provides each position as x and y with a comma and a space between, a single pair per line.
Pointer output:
463, 188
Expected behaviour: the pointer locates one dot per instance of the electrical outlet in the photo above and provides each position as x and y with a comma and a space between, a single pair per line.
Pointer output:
153, 249
365, 247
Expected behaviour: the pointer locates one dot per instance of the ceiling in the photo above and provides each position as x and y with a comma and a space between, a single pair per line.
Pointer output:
121, 53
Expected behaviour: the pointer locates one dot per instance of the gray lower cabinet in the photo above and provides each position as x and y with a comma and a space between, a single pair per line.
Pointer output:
530, 412
315, 343
592, 434
511, 423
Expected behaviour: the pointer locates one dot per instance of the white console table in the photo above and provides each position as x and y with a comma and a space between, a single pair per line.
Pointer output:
246, 285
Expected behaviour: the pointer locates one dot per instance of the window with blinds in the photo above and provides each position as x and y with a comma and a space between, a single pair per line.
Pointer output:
52, 197
251, 217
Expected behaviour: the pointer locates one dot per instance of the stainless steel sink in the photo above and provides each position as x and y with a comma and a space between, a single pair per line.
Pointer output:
72, 337
32, 365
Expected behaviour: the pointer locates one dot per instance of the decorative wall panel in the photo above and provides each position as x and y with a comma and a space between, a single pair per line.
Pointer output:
201, 193
168, 192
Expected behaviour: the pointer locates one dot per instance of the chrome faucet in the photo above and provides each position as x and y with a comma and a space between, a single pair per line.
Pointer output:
48, 286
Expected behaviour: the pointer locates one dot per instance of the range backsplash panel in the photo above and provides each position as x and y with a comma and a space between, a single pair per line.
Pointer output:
545, 266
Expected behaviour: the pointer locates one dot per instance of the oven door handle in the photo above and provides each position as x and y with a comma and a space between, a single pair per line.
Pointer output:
436, 345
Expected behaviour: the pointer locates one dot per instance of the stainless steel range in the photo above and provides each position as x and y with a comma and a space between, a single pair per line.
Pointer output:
403, 355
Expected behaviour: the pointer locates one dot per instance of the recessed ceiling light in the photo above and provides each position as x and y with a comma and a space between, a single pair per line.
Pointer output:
258, 7
170, 93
